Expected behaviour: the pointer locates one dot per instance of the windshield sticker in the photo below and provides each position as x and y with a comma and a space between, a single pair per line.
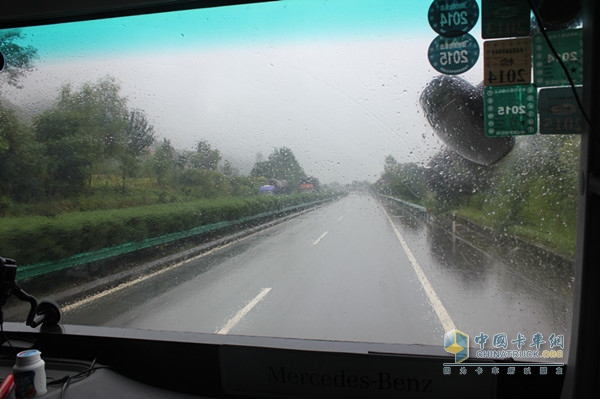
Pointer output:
507, 62
453, 56
504, 18
453, 18
559, 111
569, 47
510, 110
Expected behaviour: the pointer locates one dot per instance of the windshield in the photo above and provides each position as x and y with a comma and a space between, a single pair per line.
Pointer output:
282, 169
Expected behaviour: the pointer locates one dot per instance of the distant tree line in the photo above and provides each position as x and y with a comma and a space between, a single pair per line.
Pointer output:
533, 186
90, 132
282, 165
64, 147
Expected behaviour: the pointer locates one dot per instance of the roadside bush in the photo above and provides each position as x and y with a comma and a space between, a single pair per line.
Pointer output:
33, 239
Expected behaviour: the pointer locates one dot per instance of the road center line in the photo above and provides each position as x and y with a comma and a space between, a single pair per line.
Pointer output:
243, 312
320, 238
434, 300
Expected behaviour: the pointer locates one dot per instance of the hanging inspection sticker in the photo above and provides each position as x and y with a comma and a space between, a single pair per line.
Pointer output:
559, 111
453, 55
507, 62
452, 18
547, 71
504, 18
510, 110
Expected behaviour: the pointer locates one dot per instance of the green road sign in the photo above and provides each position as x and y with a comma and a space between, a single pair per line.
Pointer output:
510, 110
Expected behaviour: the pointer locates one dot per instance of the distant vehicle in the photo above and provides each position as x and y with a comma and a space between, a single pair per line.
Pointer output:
267, 189
281, 186
307, 187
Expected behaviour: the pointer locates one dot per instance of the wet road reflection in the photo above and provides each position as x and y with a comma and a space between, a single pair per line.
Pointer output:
340, 272
492, 284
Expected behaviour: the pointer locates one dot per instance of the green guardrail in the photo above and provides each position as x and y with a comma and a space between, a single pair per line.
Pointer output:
39, 269
403, 202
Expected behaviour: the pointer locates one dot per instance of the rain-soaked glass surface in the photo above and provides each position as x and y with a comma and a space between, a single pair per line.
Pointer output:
290, 169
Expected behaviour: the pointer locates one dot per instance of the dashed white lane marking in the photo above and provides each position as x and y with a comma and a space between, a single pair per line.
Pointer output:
128, 284
320, 238
243, 312
434, 300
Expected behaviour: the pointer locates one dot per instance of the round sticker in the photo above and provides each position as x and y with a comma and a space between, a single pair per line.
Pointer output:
451, 18
453, 55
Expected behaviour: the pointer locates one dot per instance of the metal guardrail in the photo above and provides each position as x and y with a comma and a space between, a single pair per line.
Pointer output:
39, 269
406, 203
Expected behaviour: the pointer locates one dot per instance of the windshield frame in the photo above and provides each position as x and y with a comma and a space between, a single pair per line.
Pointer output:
582, 370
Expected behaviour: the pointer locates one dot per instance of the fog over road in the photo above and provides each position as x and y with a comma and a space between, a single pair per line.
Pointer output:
353, 271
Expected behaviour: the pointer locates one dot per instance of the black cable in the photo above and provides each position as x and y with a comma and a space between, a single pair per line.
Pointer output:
63, 389
79, 376
563, 66
6, 337
66, 380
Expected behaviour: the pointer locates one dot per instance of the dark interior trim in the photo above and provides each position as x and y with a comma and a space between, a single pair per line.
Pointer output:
16, 14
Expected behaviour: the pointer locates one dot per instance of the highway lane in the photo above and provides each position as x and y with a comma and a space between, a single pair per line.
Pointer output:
338, 272
351, 271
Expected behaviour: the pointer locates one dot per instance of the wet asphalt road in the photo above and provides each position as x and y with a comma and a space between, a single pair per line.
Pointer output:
353, 271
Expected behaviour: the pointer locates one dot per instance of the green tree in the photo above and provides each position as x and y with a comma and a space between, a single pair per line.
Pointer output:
405, 180
18, 59
163, 161
282, 165
453, 180
229, 170
20, 169
528, 193
83, 129
389, 175
242, 186
139, 136
205, 157
204, 183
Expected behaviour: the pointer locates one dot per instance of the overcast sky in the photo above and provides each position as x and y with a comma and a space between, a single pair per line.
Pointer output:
336, 81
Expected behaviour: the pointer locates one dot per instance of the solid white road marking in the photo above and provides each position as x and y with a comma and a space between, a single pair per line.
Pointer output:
128, 284
320, 238
131, 283
243, 312
434, 300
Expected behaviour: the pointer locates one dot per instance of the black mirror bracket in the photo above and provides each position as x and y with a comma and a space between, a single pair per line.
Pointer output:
47, 311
